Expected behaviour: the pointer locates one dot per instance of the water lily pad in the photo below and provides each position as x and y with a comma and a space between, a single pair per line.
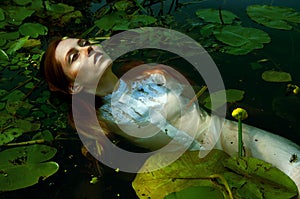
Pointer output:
273, 16
196, 192
254, 178
232, 95
116, 20
17, 45
33, 29
9, 135
18, 14
22, 2
276, 76
2, 15
21, 166
141, 20
181, 174
72, 15
213, 16
237, 37
56, 11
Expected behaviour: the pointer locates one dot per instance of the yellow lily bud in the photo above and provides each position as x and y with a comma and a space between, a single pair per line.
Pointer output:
239, 113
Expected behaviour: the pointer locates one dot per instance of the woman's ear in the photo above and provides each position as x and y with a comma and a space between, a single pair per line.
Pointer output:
75, 88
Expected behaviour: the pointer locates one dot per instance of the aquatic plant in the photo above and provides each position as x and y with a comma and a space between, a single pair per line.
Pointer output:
278, 17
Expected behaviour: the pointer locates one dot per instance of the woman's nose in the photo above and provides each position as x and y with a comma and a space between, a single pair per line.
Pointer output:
87, 50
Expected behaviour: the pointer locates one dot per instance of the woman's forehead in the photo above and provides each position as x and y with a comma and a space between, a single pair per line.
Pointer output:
63, 47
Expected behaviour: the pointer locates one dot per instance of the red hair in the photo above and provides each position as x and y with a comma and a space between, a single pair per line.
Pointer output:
53, 71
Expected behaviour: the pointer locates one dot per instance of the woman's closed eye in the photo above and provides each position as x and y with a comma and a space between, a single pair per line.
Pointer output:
73, 57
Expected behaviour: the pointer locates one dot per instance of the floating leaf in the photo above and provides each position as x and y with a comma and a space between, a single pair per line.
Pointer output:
57, 10
17, 177
196, 192
18, 14
273, 16
14, 95
2, 16
188, 170
240, 39
33, 29
276, 76
107, 22
9, 135
122, 5
25, 162
141, 20
3, 55
254, 178
213, 16
17, 45
72, 15
232, 95
22, 2
28, 154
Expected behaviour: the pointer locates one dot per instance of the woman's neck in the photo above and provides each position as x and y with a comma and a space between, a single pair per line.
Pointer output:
106, 85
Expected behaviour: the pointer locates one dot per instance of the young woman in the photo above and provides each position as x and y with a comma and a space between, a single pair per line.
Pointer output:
152, 101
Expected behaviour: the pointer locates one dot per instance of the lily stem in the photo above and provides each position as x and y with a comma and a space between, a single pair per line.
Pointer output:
240, 138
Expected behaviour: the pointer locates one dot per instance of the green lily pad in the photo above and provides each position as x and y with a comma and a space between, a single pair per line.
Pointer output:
27, 154
241, 40
2, 15
33, 29
181, 174
9, 135
18, 14
18, 177
141, 20
232, 95
276, 76
21, 166
273, 16
72, 15
254, 178
123, 5
22, 2
17, 45
196, 192
116, 19
56, 11
212, 16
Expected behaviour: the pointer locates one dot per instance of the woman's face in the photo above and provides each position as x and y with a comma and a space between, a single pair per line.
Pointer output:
78, 55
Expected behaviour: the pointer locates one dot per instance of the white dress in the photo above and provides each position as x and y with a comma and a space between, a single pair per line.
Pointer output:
152, 110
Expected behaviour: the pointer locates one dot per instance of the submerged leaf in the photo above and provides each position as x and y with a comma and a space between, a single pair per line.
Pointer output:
276, 76
273, 16
213, 16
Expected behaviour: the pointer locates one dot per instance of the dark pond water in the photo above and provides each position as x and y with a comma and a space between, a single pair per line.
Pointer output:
282, 54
